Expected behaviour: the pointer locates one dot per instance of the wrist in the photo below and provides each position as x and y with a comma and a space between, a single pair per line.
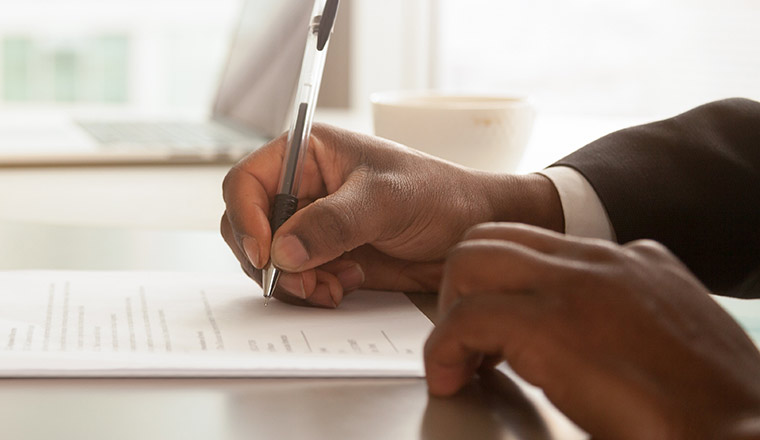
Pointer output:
531, 199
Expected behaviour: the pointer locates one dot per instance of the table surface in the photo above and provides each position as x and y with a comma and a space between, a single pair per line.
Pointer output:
166, 218
493, 407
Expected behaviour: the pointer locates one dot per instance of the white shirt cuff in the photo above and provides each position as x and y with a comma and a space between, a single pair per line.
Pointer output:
585, 215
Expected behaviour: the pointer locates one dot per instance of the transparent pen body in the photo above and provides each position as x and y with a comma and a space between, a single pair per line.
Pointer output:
304, 106
286, 200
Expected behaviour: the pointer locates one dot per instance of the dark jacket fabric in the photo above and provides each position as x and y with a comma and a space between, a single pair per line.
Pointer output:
691, 182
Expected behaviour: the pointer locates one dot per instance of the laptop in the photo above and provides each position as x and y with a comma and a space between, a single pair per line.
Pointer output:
251, 106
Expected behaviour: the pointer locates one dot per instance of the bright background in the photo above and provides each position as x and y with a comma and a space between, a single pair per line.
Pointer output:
637, 58
580, 57
137, 54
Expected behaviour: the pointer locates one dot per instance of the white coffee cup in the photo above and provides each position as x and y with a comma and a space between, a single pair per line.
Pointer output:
486, 132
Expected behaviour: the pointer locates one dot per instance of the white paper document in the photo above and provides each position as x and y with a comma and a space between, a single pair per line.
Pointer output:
746, 312
127, 324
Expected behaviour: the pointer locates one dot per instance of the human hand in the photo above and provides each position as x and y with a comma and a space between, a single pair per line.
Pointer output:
622, 339
372, 214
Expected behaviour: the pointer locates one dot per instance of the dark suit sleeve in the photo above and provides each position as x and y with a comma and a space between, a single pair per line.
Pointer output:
691, 182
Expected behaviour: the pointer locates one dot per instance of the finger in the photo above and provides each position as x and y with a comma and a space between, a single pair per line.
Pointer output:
301, 285
227, 234
322, 289
479, 267
348, 272
311, 287
327, 292
491, 326
315, 287
293, 288
252, 184
304, 285
540, 239
329, 227
247, 191
384, 272
511, 328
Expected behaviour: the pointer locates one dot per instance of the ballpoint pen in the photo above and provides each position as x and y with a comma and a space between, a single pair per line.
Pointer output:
286, 200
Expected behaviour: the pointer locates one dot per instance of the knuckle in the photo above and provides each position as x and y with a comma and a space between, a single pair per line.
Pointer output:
649, 252
649, 249
525, 356
646, 245
391, 189
573, 283
602, 251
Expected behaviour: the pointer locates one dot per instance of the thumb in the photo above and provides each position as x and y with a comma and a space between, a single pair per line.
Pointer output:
327, 228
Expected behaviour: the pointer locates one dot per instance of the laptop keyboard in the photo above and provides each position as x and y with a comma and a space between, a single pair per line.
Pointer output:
169, 135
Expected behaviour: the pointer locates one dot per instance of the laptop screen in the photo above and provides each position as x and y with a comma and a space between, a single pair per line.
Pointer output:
257, 84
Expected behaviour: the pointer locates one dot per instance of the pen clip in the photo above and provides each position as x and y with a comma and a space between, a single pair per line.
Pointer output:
326, 23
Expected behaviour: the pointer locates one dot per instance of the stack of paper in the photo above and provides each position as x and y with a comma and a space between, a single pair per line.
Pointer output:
67, 324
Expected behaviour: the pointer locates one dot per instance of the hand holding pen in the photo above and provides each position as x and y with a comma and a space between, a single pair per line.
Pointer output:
372, 214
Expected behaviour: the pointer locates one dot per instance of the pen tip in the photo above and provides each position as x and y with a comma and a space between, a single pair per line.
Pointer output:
266, 301
269, 280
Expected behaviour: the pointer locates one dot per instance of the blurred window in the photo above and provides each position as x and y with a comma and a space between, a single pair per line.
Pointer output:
136, 53
615, 57
39, 69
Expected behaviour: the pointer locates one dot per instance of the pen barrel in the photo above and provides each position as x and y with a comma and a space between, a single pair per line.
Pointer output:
298, 142
285, 206
305, 104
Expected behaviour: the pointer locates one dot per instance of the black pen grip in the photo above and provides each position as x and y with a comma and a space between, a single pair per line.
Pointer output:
285, 205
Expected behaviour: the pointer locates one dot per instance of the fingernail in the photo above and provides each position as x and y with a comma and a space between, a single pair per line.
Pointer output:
323, 297
293, 283
351, 278
288, 253
251, 248
336, 293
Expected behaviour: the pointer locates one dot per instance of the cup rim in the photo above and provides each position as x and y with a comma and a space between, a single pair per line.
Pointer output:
439, 99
